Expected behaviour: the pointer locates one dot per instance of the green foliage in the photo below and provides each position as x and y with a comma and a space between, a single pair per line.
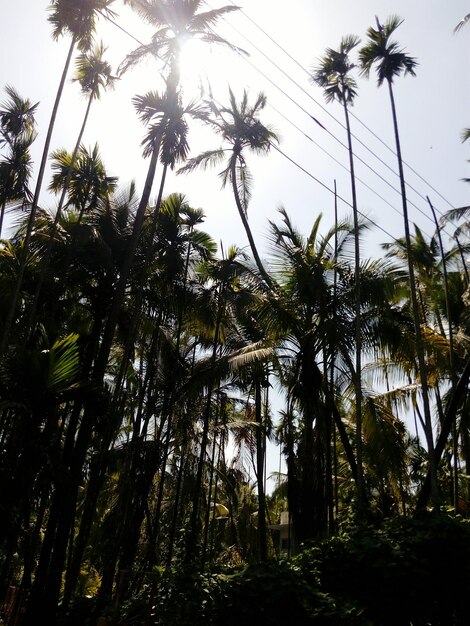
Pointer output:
267, 594
410, 571
405, 572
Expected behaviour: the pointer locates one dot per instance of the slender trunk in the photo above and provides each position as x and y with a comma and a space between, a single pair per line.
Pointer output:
110, 328
332, 364
246, 226
260, 458
19, 281
458, 396
455, 474
416, 319
2, 214
194, 519
211, 503
50, 244
357, 298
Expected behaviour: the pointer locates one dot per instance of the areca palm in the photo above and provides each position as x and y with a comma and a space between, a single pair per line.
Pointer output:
240, 127
78, 19
17, 133
175, 21
333, 74
93, 73
391, 61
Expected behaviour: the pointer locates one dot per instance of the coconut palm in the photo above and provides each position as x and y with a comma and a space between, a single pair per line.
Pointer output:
176, 21
333, 74
391, 61
78, 19
240, 127
300, 317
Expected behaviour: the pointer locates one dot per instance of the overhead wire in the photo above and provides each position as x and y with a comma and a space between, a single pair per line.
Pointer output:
357, 157
290, 159
325, 151
357, 139
304, 69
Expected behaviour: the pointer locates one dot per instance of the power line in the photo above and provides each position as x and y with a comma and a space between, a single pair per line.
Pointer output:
325, 186
360, 159
315, 143
314, 119
266, 34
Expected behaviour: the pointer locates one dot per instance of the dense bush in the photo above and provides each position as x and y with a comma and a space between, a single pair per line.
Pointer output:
408, 572
405, 572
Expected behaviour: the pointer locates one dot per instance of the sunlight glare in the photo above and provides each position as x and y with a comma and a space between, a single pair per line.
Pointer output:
203, 66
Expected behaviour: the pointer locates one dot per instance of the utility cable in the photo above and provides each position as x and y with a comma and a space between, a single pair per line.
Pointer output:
315, 120
358, 158
266, 34
315, 143
325, 186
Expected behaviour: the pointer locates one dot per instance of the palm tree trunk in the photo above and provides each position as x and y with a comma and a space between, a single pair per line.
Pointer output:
416, 318
357, 298
194, 519
451, 354
246, 226
50, 245
108, 336
19, 281
260, 458
458, 396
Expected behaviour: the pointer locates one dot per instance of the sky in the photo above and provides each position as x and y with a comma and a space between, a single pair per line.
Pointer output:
284, 41
432, 109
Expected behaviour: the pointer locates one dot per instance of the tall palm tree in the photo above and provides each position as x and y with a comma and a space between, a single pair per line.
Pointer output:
78, 19
240, 127
175, 21
300, 318
93, 73
391, 61
333, 74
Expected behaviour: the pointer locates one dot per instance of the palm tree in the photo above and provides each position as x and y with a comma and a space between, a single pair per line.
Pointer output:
299, 316
17, 133
78, 19
333, 74
175, 21
240, 127
93, 73
391, 61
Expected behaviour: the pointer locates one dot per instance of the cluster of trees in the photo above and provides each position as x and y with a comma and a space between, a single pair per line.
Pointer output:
137, 359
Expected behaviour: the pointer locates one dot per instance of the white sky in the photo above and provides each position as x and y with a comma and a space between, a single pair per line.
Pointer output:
433, 108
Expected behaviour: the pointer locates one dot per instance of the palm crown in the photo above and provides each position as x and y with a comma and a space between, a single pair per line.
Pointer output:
78, 18
389, 58
176, 21
333, 72
240, 126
